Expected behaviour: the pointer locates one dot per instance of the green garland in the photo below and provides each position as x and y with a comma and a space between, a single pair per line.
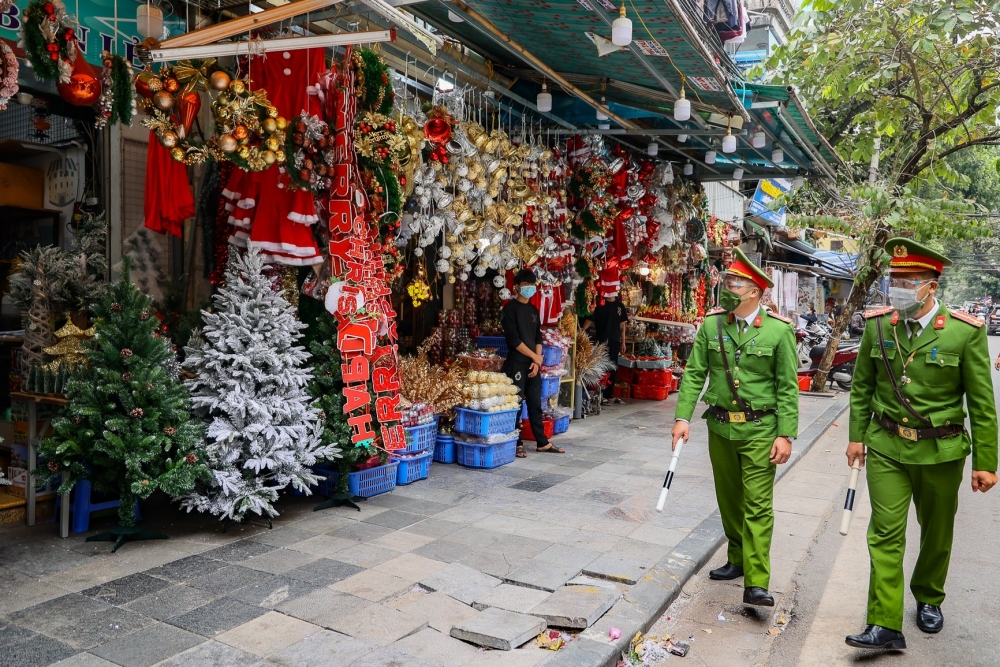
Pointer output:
36, 45
583, 268
124, 91
582, 310
374, 85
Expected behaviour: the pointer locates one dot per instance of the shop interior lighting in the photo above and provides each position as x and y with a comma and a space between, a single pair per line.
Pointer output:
738, 174
149, 21
455, 18
682, 138
600, 114
544, 99
621, 29
798, 182
759, 139
777, 155
652, 149
729, 141
688, 168
270, 45
682, 107
710, 157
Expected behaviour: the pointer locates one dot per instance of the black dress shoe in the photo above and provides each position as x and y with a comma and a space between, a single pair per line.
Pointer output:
875, 636
758, 596
726, 572
929, 618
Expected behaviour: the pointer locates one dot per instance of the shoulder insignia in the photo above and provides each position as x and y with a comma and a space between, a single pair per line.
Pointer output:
939, 322
895, 318
967, 318
757, 321
877, 312
776, 316
715, 311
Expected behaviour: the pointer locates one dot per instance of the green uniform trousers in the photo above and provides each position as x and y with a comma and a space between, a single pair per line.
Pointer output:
934, 489
744, 488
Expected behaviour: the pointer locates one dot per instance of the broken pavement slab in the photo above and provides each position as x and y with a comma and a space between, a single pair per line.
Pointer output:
461, 582
499, 629
576, 607
542, 575
615, 567
511, 598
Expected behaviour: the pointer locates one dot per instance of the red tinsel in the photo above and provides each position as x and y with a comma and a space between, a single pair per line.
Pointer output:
223, 230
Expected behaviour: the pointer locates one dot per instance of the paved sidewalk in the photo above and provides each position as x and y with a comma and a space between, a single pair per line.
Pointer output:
468, 551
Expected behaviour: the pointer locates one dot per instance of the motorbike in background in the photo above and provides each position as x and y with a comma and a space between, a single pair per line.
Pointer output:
811, 344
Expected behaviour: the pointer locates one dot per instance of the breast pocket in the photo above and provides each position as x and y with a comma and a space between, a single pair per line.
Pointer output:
941, 369
757, 359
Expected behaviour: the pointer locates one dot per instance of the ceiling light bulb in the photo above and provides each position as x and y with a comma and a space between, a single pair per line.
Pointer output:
149, 21
600, 114
604, 126
682, 107
738, 174
643, 270
798, 181
729, 144
759, 139
710, 157
653, 148
688, 169
544, 99
777, 155
621, 29
682, 138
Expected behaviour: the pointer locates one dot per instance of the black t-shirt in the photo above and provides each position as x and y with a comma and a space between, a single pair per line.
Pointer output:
608, 320
521, 324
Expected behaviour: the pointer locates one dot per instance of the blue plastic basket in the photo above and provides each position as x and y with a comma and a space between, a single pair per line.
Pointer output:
485, 456
412, 469
419, 438
551, 356
561, 425
498, 343
550, 385
444, 449
474, 422
374, 481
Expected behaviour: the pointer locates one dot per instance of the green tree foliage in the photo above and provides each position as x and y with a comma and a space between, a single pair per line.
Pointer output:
127, 427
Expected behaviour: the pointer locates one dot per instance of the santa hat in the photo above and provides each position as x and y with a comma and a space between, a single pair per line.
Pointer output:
608, 282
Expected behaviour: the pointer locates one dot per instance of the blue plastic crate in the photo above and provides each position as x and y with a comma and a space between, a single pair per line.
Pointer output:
551, 356
561, 425
550, 385
474, 422
412, 469
444, 449
419, 438
485, 456
374, 481
498, 343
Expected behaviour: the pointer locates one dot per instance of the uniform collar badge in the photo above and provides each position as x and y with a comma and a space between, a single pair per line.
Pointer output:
939, 322
758, 321
895, 319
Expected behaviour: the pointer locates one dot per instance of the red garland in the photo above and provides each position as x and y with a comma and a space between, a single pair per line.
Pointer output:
223, 230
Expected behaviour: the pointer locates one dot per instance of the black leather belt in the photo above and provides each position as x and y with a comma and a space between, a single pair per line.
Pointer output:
724, 416
915, 434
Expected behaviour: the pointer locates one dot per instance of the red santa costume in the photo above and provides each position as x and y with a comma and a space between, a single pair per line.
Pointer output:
168, 200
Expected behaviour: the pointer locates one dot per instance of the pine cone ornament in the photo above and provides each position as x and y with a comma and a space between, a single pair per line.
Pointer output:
126, 353
170, 430
126, 377
145, 314
53, 466
77, 420
136, 414
191, 458
116, 307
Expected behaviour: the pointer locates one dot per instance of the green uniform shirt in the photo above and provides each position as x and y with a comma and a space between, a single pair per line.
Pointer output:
764, 361
949, 360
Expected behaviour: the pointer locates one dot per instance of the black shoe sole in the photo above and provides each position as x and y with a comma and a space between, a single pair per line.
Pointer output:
894, 645
760, 603
715, 578
930, 631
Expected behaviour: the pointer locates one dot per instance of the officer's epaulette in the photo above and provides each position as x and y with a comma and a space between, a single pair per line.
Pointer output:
715, 311
776, 316
877, 312
967, 318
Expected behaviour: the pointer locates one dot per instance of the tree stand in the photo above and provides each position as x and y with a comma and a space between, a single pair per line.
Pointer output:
340, 499
122, 534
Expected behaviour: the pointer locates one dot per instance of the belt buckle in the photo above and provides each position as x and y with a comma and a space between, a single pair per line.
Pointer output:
907, 433
737, 418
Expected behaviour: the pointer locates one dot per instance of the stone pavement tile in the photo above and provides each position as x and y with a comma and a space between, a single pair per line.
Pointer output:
463, 514
366, 555
542, 575
280, 560
323, 607
237, 552
547, 531
411, 505
81, 660
808, 490
499, 629
492, 562
394, 519
378, 624
460, 582
34, 562
37, 651
665, 537
11, 633
606, 497
273, 592
520, 547
782, 570
476, 537
571, 556
439, 648
18, 591
213, 654
217, 617
186, 569
593, 540
502, 523
445, 550
327, 522
402, 542
529, 656
361, 532
631, 515
90, 630
804, 525
97, 571
125, 590
323, 572
390, 657
438, 610
228, 579
817, 507
322, 545
283, 537
576, 607
614, 566
373, 585
540, 482
434, 527
169, 602
411, 567
148, 646
52, 614
510, 598
267, 634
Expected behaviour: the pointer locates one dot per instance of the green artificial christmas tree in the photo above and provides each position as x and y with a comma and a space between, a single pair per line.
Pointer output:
127, 427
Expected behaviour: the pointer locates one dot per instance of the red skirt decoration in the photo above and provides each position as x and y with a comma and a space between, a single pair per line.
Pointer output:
168, 199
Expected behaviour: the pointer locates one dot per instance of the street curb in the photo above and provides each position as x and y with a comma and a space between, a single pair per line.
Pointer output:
649, 598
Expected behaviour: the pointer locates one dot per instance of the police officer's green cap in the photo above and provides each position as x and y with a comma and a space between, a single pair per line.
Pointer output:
908, 256
742, 266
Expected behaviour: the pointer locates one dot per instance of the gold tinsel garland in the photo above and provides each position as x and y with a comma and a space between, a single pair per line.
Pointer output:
421, 382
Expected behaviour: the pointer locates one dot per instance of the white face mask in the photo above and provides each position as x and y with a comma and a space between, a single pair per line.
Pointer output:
906, 301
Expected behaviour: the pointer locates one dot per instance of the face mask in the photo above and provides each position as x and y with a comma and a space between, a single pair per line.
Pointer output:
729, 300
528, 291
906, 301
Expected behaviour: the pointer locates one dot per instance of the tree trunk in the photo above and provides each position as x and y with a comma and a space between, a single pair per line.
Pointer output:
126, 508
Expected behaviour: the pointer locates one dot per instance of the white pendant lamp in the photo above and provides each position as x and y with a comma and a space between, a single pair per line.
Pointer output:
652, 149
777, 155
621, 29
759, 139
604, 126
798, 182
600, 114
544, 99
682, 107
688, 168
682, 138
738, 174
729, 141
710, 157
149, 21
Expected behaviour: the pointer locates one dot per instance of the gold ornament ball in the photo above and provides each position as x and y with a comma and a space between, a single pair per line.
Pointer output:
237, 87
177, 154
269, 125
269, 157
272, 112
282, 122
228, 144
451, 278
224, 113
169, 139
280, 156
273, 144
163, 100
244, 152
155, 84
240, 132
219, 80
223, 100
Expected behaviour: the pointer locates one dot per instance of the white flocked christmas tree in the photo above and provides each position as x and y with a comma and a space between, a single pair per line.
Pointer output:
250, 389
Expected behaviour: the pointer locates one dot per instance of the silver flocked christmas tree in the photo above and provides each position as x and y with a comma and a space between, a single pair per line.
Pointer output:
250, 389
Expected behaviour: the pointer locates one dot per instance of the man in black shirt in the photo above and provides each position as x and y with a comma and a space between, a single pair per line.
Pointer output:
523, 330
608, 321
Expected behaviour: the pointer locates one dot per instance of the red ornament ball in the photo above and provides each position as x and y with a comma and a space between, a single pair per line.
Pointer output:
83, 89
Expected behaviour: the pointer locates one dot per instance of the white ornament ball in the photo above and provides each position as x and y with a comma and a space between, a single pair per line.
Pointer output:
505, 294
445, 252
418, 252
463, 276
499, 281
480, 270
442, 266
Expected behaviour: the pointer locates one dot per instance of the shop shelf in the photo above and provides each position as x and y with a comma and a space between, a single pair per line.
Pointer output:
551, 356
414, 468
485, 456
474, 422
419, 438
498, 343
444, 449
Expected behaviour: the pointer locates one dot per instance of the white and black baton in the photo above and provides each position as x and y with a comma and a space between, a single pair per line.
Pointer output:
852, 488
670, 477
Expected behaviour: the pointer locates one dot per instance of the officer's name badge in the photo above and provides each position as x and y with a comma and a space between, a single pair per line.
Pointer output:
890, 343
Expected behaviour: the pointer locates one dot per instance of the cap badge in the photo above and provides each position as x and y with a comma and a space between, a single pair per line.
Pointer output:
900, 251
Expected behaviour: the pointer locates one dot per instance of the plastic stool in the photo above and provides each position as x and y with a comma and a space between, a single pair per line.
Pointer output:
80, 507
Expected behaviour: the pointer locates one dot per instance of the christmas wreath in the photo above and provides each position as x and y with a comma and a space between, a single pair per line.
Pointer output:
117, 101
310, 145
8, 74
49, 40
377, 141
373, 86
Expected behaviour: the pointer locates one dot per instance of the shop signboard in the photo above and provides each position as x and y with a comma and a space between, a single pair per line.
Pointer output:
769, 189
102, 27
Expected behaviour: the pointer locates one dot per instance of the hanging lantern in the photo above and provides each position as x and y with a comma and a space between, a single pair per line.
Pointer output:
600, 113
149, 21
688, 168
682, 138
682, 107
798, 182
544, 99
84, 88
759, 139
738, 174
710, 157
621, 29
777, 155
652, 149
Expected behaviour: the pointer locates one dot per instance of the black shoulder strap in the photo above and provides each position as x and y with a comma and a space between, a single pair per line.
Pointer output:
725, 365
892, 378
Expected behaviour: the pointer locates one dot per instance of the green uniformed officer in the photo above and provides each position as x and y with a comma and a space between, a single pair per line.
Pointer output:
913, 425
748, 355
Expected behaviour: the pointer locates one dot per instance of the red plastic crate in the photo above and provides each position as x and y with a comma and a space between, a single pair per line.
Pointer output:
625, 374
649, 393
675, 385
548, 425
659, 377
622, 390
